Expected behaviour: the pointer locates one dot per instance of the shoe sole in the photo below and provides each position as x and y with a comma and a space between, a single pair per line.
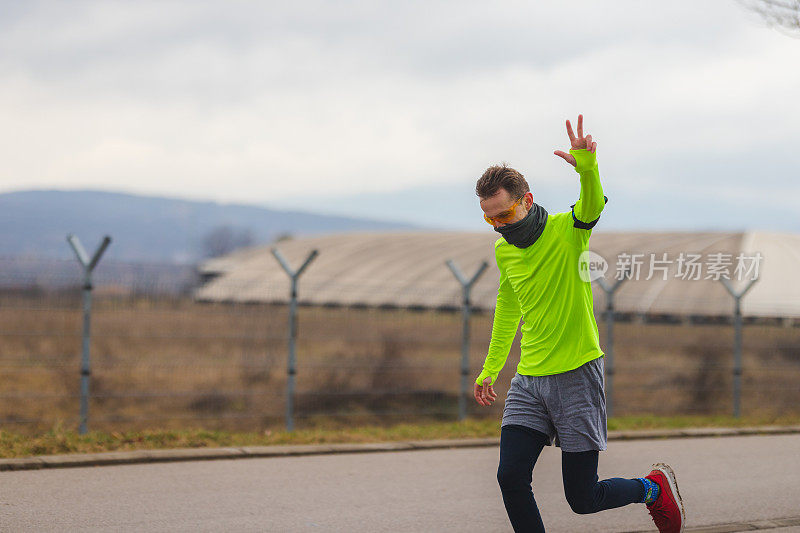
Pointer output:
673, 485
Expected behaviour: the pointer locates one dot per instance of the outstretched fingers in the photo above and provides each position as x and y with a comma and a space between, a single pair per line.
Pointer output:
569, 158
577, 142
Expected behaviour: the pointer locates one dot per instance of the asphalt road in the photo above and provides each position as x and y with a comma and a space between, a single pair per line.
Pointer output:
722, 480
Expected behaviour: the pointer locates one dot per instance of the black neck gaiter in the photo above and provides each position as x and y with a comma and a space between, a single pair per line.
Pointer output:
523, 233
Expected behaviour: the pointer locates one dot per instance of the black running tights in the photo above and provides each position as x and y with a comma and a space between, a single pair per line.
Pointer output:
520, 447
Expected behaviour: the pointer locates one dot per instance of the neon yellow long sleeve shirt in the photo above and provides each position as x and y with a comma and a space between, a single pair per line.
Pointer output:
542, 285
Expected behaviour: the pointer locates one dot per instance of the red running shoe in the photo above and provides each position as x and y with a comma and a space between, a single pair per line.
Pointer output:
667, 511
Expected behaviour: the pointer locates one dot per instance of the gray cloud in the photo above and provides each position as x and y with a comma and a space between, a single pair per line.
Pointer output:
262, 103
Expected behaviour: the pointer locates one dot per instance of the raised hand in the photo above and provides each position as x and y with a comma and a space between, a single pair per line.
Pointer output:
579, 142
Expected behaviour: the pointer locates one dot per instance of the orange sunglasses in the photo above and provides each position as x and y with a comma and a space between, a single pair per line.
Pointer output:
504, 219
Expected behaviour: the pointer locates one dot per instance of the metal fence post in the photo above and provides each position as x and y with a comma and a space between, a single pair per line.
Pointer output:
737, 342
609, 353
291, 369
466, 285
88, 265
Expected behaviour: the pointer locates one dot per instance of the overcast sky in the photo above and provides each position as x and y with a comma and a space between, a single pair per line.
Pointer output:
397, 107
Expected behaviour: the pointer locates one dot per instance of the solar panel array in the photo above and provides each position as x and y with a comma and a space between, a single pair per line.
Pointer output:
408, 270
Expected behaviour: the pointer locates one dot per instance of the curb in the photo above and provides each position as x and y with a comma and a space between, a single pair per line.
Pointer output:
202, 454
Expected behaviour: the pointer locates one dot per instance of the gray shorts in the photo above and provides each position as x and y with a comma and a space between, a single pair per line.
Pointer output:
570, 407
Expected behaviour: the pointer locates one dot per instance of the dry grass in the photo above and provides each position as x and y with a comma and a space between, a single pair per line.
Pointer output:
59, 440
174, 364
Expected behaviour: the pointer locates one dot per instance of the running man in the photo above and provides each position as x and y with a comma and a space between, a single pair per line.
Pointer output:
557, 394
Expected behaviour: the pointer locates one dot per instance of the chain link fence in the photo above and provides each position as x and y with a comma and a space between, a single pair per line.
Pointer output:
161, 359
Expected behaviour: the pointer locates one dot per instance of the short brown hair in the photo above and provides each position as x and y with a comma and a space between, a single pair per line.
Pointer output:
501, 176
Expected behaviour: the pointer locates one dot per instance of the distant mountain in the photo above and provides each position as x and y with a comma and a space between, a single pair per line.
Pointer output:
669, 208
148, 229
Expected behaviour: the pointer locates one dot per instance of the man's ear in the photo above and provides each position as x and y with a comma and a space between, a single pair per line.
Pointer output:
528, 200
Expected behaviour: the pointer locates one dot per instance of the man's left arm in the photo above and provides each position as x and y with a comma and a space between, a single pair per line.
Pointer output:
586, 211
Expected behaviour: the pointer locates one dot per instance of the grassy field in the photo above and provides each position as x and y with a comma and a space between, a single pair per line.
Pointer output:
59, 440
175, 364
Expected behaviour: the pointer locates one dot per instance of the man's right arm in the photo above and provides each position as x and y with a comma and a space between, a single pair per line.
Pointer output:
504, 328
